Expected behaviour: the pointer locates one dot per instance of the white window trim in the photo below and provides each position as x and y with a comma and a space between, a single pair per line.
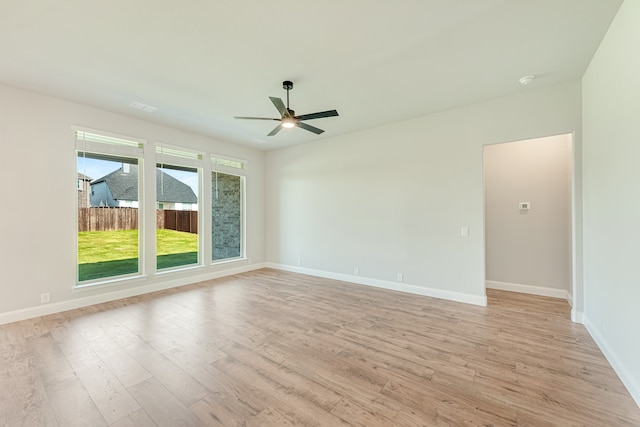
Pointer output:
181, 156
87, 140
174, 155
216, 167
243, 222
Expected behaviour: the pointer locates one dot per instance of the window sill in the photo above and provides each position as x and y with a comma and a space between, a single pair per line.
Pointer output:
166, 271
230, 261
89, 286
133, 280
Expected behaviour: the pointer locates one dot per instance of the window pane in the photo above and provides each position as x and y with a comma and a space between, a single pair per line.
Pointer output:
107, 216
226, 216
176, 216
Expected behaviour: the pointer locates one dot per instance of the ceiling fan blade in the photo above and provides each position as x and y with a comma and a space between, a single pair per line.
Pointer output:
309, 128
275, 130
280, 106
255, 118
329, 113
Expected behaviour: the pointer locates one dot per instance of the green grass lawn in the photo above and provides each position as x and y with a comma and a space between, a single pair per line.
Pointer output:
114, 253
175, 248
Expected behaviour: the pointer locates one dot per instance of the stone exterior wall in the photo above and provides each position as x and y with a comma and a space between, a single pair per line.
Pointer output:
226, 216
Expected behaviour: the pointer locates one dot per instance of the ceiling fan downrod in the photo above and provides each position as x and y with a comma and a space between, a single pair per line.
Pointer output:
287, 85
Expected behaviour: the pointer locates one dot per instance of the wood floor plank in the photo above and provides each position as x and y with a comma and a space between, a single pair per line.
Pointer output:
221, 409
50, 361
275, 348
128, 371
72, 404
270, 417
33, 327
288, 379
186, 388
140, 418
14, 345
301, 408
361, 414
112, 399
162, 406
23, 399
455, 404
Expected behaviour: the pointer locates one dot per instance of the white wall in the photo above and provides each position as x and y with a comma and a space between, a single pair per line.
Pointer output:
529, 247
38, 175
393, 199
611, 116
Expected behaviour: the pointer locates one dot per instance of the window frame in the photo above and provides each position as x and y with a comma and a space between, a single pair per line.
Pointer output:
169, 154
236, 167
110, 145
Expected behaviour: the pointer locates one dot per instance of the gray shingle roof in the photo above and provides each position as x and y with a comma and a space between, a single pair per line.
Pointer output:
124, 186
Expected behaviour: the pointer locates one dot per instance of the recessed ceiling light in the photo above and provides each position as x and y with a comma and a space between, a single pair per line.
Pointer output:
141, 106
258, 141
526, 80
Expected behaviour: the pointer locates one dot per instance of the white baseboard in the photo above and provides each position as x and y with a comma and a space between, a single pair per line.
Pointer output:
528, 289
627, 379
45, 309
57, 307
577, 316
384, 284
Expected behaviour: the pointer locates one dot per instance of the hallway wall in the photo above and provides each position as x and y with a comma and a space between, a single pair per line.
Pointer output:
529, 248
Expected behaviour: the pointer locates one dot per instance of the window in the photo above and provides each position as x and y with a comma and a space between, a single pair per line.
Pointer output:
227, 203
198, 208
108, 233
177, 217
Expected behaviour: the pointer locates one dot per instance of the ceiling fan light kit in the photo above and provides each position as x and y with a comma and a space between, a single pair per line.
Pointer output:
288, 122
288, 118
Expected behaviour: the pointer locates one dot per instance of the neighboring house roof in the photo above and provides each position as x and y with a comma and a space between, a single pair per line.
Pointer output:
83, 177
124, 186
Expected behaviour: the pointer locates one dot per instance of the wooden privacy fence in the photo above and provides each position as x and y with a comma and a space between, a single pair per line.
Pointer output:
112, 219
186, 221
107, 219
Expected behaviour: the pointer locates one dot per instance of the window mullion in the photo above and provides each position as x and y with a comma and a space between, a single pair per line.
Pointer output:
206, 207
149, 214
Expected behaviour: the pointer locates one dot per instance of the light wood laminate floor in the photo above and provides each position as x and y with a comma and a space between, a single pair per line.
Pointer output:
270, 348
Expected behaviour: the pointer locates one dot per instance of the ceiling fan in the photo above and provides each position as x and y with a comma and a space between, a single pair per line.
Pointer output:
288, 117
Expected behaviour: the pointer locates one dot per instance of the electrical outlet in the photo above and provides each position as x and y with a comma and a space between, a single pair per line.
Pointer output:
400, 277
299, 262
45, 298
464, 231
356, 271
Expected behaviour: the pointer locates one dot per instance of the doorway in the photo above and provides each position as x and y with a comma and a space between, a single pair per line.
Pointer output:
528, 195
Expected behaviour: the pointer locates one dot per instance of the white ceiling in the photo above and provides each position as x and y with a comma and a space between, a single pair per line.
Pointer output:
200, 62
